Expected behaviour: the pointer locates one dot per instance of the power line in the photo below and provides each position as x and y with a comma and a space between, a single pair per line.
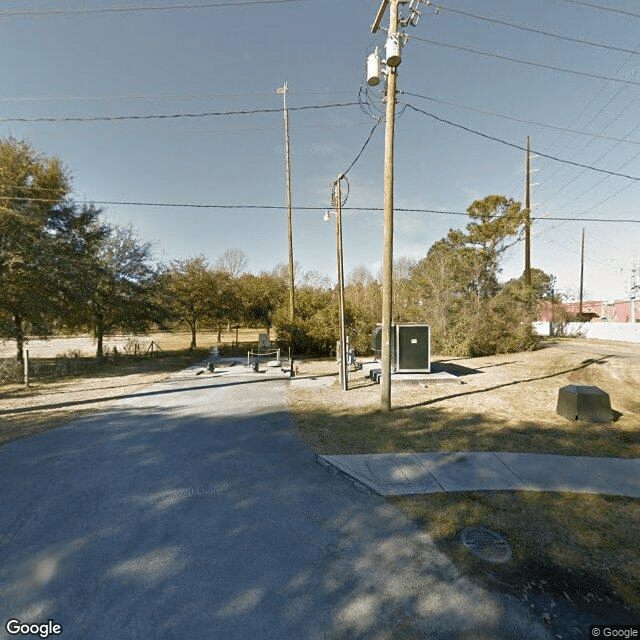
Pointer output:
174, 116
584, 110
11, 13
548, 34
194, 205
602, 8
183, 96
520, 120
520, 147
540, 65
364, 146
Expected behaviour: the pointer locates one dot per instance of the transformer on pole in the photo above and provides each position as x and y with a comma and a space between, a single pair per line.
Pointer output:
393, 57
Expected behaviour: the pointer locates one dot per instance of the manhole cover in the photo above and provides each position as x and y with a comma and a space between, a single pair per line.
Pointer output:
486, 544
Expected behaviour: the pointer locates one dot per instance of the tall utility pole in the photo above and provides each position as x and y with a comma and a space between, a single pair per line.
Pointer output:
343, 332
387, 258
283, 90
635, 287
527, 220
581, 276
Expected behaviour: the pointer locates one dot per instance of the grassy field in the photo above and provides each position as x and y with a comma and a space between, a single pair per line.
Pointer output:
580, 549
85, 345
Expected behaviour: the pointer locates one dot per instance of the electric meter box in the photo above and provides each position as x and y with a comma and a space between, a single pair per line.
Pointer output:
410, 347
413, 348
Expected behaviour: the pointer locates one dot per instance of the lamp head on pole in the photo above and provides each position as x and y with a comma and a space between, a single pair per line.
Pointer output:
327, 216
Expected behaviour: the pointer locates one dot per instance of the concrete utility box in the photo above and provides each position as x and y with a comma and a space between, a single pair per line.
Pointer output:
410, 347
376, 343
588, 404
413, 348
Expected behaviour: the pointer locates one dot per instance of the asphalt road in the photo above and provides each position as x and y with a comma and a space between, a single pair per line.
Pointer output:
192, 510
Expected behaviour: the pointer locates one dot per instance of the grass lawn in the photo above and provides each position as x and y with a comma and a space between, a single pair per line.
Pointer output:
580, 549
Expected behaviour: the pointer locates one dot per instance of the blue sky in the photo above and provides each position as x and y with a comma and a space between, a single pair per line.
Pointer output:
231, 58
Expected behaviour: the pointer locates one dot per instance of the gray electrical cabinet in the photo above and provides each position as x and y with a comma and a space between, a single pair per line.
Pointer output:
376, 343
410, 347
413, 348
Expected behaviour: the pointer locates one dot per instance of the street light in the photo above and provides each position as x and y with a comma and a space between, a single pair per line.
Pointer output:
337, 202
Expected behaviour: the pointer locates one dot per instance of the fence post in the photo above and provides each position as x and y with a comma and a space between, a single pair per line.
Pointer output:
25, 361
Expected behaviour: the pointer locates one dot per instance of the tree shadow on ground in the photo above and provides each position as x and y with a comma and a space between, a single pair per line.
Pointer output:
138, 394
567, 561
431, 428
586, 363
207, 516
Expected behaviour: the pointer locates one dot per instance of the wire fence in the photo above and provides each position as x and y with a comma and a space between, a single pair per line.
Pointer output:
12, 371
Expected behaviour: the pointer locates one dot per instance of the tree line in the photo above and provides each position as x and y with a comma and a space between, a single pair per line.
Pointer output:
64, 269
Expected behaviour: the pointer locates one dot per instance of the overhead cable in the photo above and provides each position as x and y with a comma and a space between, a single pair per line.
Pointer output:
540, 65
174, 116
600, 7
520, 147
535, 123
66, 11
178, 96
193, 205
541, 32
364, 146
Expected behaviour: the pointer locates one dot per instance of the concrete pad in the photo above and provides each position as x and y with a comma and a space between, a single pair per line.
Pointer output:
624, 475
425, 379
481, 471
549, 472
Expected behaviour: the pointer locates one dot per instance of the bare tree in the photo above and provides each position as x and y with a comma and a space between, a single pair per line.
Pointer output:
232, 261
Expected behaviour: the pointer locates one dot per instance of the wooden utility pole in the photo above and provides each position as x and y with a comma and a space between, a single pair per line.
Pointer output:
283, 90
581, 276
387, 258
527, 221
343, 332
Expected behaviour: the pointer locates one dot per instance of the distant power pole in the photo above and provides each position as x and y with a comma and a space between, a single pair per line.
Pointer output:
527, 220
581, 275
283, 90
635, 288
344, 368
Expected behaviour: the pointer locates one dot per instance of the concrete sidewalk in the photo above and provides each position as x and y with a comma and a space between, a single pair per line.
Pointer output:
416, 473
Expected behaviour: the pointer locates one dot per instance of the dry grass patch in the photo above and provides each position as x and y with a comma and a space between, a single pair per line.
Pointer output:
50, 404
580, 549
504, 403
